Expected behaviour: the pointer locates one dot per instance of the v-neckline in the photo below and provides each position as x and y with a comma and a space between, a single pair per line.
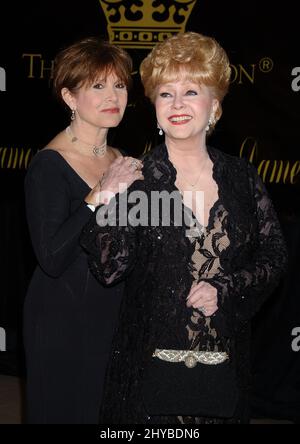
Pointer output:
207, 228
70, 167
204, 228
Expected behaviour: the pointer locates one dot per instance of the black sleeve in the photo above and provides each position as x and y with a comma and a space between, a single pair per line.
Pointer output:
53, 228
111, 245
242, 293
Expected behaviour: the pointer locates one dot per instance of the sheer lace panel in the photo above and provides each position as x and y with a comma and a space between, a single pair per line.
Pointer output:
206, 264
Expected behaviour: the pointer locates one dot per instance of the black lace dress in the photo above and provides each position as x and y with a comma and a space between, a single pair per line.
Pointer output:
241, 252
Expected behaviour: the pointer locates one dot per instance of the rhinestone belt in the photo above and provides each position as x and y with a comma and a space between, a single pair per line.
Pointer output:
191, 358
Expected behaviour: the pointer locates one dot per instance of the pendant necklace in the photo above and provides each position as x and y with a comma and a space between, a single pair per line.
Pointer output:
193, 185
97, 150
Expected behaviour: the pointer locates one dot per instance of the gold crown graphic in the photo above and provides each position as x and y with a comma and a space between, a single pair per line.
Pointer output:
142, 24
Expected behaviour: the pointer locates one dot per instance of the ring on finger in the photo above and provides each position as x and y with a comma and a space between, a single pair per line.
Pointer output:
135, 164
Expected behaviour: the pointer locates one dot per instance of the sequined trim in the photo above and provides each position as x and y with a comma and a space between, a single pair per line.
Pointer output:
191, 358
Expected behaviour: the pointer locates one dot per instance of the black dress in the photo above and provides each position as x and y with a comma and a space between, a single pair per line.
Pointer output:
68, 316
241, 252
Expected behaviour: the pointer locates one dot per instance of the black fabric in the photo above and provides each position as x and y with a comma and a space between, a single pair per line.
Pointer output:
157, 264
68, 316
170, 388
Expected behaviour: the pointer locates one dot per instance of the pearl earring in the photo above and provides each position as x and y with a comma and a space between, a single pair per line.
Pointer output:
73, 114
160, 132
211, 121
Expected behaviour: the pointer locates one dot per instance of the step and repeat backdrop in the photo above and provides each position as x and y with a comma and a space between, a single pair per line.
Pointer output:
260, 122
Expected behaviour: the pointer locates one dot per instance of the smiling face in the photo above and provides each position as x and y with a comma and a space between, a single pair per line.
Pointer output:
183, 108
101, 104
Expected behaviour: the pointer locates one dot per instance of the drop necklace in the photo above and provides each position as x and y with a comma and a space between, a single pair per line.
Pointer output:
193, 185
97, 150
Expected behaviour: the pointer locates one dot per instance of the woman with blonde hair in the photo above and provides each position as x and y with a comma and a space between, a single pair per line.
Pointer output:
181, 351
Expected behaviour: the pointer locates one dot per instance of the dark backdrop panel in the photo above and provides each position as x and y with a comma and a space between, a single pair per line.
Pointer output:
260, 122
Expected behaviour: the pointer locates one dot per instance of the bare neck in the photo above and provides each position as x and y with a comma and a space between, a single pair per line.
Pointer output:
88, 133
187, 153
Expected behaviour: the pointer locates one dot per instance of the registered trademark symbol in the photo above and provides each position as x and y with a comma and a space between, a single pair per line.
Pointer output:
266, 64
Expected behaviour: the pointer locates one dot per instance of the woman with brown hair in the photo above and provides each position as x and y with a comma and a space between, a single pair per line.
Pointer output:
68, 316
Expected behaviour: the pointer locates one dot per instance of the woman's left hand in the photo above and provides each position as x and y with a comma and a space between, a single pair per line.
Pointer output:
204, 297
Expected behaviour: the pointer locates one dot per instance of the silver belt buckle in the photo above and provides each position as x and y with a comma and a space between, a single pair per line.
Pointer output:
190, 361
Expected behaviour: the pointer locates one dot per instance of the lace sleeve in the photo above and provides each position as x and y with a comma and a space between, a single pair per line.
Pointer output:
242, 293
111, 247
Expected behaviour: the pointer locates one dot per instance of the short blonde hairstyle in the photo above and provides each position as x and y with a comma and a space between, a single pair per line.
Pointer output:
197, 57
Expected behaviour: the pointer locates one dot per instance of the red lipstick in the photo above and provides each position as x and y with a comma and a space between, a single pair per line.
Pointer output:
111, 110
179, 119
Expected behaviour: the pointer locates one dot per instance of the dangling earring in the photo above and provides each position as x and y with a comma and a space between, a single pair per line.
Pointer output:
211, 121
160, 132
73, 114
